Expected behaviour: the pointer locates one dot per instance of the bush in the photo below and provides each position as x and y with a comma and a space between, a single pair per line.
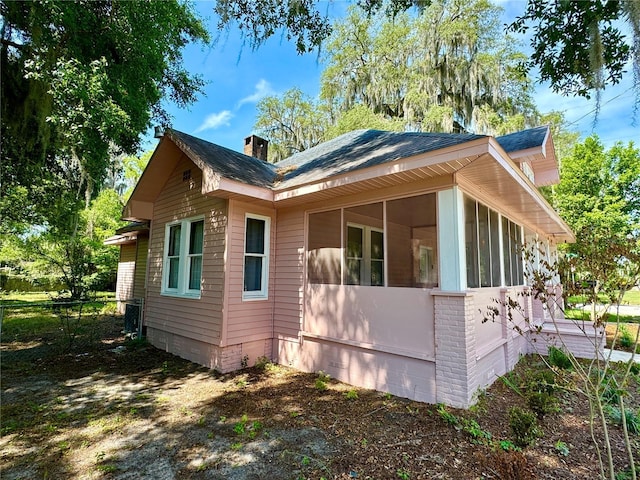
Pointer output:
626, 339
558, 358
541, 403
524, 426
539, 389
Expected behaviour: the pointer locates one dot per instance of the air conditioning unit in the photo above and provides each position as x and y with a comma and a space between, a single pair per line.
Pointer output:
131, 318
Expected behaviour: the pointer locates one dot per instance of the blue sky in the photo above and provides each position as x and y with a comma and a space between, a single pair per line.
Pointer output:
239, 77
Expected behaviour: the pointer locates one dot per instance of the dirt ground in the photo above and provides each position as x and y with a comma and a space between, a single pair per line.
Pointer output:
125, 410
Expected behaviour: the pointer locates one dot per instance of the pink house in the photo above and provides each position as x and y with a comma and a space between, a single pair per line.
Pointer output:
368, 257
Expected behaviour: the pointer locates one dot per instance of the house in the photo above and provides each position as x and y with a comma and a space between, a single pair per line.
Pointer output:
370, 256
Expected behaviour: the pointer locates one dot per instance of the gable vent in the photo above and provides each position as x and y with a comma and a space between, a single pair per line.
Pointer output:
186, 175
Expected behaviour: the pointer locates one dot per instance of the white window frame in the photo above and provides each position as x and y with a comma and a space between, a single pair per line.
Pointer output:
263, 293
366, 260
184, 260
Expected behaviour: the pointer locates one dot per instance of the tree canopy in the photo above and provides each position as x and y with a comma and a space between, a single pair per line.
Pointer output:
579, 46
448, 69
451, 68
81, 79
598, 197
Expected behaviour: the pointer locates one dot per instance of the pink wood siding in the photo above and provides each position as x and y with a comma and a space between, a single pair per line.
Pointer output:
199, 319
126, 270
403, 376
247, 320
289, 274
491, 333
396, 320
141, 267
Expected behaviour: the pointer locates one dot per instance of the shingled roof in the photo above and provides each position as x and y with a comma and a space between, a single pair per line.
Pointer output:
533, 137
348, 152
361, 149
226, 162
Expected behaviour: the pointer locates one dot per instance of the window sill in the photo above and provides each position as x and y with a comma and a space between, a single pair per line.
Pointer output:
254, 298
192, 296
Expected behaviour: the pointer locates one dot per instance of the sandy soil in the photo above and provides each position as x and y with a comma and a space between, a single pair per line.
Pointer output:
120, 410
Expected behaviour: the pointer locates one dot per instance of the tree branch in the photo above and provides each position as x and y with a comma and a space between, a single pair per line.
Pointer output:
9, 43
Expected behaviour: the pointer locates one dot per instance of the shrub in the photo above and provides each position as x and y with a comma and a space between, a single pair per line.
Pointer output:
524, 426
626, 339
541, 403
559, 358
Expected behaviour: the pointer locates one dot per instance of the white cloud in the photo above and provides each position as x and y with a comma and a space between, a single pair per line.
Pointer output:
263, 89
215, 120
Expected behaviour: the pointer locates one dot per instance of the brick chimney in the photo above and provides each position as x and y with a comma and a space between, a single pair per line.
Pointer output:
255, 146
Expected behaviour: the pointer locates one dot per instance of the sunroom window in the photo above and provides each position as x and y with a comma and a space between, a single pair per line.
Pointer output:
482, 247
356, 246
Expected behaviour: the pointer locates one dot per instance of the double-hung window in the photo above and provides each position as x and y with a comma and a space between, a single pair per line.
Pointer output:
256, 257
182, 265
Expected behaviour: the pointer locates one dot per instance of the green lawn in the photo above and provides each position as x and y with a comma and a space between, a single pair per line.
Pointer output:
632, 297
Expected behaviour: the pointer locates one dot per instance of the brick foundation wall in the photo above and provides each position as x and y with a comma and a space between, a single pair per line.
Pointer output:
456, 365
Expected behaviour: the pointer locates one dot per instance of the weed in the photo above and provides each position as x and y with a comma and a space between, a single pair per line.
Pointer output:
448, 417
240, 427
262, 363
508, 446
478, 435
511, 380
201, 421
306, 461
223, 419
165, 367
244, 362
402, 474
106, 468
241, 383
524, 426
254, 429
412, 410
236, 446
133, 411
480, 404
388, 396
469, 426
294, 414
364, 443
351, 395
624, 475
211, 435
559, 358
562, 448
322, 380
632, 418
320, 384
243, 427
